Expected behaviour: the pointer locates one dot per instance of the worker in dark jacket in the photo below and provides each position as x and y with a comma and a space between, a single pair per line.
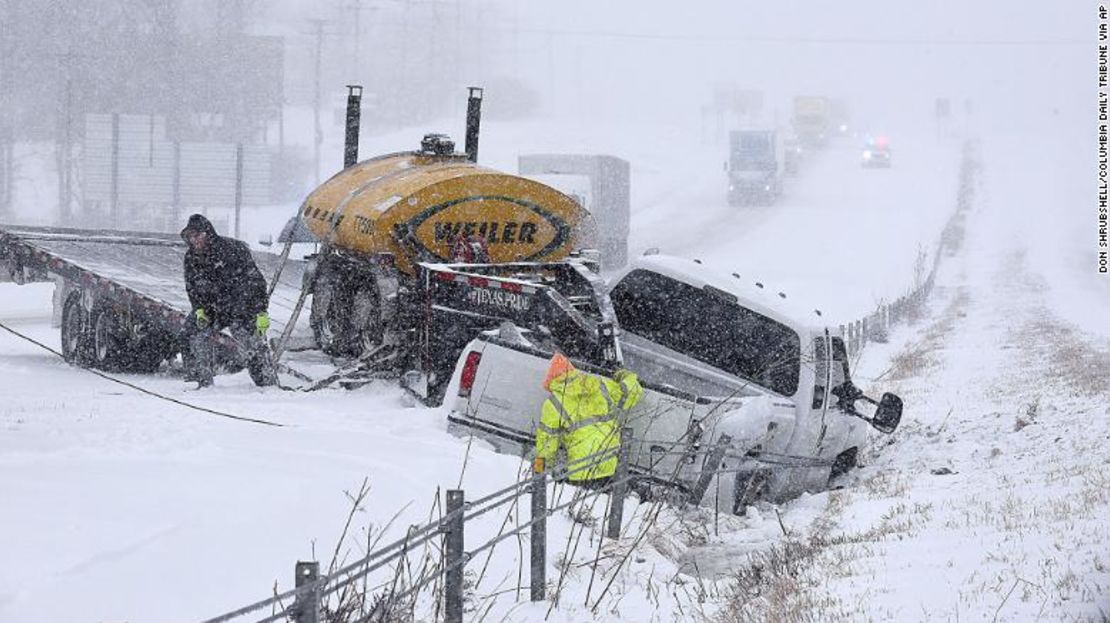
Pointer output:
226, 290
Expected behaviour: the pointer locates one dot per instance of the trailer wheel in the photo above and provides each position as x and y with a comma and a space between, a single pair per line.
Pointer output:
76, 347
109, 340
146, 355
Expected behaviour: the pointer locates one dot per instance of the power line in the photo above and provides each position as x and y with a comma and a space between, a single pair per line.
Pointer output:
760, 39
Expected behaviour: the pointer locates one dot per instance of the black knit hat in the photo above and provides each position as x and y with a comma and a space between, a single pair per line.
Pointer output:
198, 223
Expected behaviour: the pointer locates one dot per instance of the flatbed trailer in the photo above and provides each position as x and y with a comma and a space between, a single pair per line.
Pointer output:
120, 297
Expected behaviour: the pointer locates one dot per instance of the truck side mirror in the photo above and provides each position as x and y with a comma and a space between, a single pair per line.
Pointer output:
888, 414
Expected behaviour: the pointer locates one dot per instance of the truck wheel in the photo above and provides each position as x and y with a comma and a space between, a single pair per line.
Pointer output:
366, 317
346, 312
147, 355
109, 339
76, 346
331, 314
749, 487
844, 462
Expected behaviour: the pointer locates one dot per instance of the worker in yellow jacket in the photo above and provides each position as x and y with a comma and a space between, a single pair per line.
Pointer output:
581, 415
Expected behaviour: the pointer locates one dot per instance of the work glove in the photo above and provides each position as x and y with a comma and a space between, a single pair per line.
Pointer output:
202, 319
620, 375
262, 323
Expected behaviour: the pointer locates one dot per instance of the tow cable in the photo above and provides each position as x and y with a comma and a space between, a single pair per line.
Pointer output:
142, 389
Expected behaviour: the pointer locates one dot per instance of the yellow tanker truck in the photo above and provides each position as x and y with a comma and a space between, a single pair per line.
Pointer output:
421, 250
414, 206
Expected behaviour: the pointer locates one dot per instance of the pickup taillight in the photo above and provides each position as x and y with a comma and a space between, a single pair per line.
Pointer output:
469, 372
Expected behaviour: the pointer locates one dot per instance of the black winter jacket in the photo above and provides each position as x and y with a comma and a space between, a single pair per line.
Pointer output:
223, 278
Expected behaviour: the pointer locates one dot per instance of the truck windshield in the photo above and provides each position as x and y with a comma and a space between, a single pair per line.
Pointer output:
754, 143
710, 328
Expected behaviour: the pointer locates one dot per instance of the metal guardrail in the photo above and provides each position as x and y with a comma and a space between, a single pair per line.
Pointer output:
312, 588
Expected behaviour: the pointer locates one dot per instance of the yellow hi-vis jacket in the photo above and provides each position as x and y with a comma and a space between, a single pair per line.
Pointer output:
581, 415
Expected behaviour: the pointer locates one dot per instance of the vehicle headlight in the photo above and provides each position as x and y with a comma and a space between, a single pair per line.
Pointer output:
867, 155
767, 187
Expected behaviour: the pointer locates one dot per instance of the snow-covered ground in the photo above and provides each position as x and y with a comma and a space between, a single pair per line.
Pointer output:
124, 508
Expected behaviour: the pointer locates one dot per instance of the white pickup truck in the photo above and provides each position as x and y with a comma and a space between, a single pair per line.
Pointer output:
718, 355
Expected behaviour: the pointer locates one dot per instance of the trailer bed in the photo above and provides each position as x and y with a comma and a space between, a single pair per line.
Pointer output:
145, 267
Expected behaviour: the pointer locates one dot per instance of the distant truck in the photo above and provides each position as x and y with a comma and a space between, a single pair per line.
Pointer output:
755, 167
718, 355
812, 120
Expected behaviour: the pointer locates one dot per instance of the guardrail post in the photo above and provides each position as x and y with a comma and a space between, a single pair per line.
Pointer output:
306, 608
454, 548
620, 489
538, 536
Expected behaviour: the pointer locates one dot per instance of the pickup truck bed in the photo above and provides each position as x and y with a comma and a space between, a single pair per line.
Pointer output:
673, 430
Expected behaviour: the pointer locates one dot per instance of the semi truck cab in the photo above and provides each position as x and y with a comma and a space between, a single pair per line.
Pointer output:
754, 167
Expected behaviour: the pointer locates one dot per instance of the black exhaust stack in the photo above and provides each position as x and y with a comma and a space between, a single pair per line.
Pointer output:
354, 114
473, 121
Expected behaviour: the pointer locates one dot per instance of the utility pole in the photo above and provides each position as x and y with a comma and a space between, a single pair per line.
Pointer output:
357, 7
319, 136
65, 149
458, 43
6, 129
358, 71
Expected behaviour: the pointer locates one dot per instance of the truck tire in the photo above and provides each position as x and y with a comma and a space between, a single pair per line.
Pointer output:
366, 316
110, 339
76, 347
147, 354
843, 463
747, 488
330, 315
346, 312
